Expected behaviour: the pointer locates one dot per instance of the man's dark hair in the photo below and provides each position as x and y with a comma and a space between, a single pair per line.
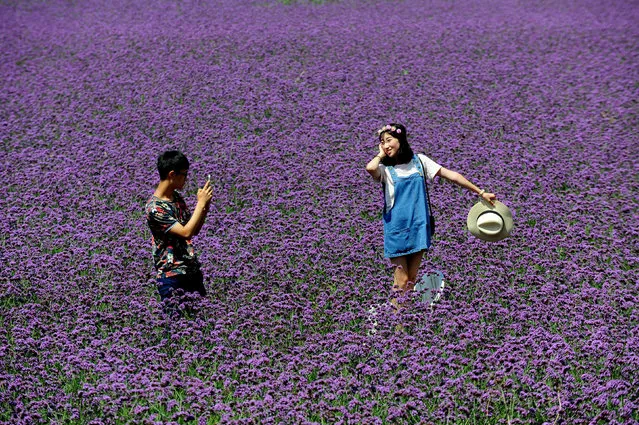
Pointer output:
404, 153
171, 161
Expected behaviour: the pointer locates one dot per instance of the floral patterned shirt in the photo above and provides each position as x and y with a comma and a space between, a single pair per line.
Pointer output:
172, 255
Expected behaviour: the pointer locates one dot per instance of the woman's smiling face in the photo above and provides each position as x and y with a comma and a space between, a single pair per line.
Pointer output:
390, 144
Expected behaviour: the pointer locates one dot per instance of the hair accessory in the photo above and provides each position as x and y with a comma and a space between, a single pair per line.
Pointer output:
388, 127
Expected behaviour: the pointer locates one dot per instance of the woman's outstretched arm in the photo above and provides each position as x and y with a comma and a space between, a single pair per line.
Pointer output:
460, 180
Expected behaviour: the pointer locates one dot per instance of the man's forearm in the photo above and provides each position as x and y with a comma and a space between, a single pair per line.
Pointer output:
195, 222
202, 220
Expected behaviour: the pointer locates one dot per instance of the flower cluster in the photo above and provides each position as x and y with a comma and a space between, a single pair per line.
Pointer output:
535, 100
390, 128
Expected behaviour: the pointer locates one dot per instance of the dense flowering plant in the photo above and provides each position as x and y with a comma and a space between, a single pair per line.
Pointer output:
535, 101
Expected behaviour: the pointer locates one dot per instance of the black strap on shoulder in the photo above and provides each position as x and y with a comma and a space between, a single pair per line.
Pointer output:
430, 206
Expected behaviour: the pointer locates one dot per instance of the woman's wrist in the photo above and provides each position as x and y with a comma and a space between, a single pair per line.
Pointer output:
481, 193
380, 156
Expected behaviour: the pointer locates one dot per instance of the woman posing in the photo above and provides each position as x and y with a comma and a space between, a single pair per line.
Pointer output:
407, 233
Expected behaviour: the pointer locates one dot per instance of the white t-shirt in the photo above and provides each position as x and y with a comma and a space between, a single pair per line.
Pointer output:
405, 170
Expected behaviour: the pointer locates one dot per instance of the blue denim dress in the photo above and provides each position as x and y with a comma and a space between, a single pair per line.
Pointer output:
406, 225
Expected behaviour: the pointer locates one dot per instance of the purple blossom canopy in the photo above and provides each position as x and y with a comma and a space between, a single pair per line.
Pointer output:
280, 101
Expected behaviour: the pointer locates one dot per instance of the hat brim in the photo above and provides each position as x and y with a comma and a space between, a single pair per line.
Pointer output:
481, 207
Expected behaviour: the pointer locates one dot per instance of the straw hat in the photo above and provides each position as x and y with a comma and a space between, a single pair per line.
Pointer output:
488, 222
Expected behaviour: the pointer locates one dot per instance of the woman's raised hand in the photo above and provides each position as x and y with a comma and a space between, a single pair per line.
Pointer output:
381, 153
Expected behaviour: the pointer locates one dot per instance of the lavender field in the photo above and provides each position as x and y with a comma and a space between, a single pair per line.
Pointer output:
536, 101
